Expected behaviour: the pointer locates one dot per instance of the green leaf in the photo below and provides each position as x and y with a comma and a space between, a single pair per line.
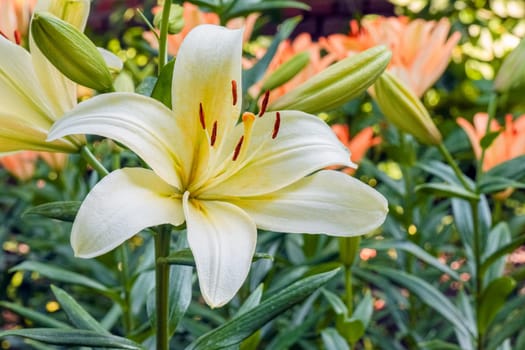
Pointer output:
498, 237
65, 211
491, 184
512, 169
252, 301
504, 330
181, 280
437, 345
428, 294
162, 90
492, 299
73, 337
76, 313
447, 190
489, 137
332, 340
241, 327
36, 317
245, 7
146, 86
185, 257
502, 251
413, 249
61, 275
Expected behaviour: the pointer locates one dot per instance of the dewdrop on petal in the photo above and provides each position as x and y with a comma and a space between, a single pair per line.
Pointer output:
71, 52
337, 84
403, 109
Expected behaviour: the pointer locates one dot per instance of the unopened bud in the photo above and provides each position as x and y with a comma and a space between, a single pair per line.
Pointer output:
286, 71
70, 51
175, 22
511, 74
403, 109
337, 84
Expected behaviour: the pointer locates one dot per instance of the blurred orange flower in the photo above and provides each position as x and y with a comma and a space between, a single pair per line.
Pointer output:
56, 161
420, 49
358, 144
21, 165
14, 18
193, 17
510, 143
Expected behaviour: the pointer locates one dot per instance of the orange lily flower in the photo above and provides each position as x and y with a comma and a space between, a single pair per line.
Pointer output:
358, 144
56, 161
14, 18
193, 17
21, 165
510, 143
420, 49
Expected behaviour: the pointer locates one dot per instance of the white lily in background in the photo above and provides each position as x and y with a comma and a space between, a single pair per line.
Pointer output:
33, 93
222, 178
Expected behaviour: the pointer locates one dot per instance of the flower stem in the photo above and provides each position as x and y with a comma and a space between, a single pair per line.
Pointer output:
477, 265
90, 158
162, 249
491, 111
163, 36
448, 157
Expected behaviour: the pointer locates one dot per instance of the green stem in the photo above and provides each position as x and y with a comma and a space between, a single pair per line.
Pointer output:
162, 250
163, 36
90, 158
448, 157
477, 266
491, 111
348, 250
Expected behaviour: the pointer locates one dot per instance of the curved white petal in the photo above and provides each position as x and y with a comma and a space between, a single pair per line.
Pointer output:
18, 94
112, 61
209, 60
327, 202
61, 92
222, 238
121, 205
303, 144
141, 123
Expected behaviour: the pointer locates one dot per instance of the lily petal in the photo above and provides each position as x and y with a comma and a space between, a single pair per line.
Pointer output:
315, 205
143, 124
208, 61
138, 199
303, 144
222, 238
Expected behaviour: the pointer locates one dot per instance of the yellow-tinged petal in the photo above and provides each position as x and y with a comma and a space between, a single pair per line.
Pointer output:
222, 238
138, 199
59, 90
209, 60
141, 123
327, 202
302, 144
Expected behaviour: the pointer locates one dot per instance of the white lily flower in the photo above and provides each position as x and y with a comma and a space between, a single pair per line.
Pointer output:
222, 178
33, 93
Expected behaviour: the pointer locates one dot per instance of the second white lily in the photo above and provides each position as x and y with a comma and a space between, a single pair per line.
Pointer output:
222, 178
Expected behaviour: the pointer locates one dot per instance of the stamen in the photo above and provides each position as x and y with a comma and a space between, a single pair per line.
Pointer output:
18, 37
201, 116
264, 103
276, 125
234, 92
238, 149
3, 34
213, 134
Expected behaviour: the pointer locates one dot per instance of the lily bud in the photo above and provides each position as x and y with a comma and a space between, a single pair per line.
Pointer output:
71, 52
175, 22
403, 109
286, 71
511, 74
337, 84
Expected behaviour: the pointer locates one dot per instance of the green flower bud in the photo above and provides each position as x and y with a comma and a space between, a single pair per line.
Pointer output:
71, 52
286, 71
403, 109
511, 74
337, 84
176, 20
